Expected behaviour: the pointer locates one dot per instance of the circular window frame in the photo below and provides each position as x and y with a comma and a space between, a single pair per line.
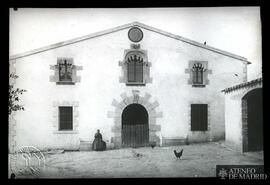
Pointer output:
130, 36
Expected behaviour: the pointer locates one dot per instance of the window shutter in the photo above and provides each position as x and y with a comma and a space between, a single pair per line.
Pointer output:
69, 72
139, 71
194, 77
131, 70
200, 76
65, 118
61, 72
199, 117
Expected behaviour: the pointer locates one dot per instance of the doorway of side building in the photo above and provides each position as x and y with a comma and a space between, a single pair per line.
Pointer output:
252, 117
135, 127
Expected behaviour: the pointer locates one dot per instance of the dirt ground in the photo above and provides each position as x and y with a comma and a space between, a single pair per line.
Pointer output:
198, 160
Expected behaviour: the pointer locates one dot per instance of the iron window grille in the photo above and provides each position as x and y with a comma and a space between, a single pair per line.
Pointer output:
65, 71
197, 74
135, 69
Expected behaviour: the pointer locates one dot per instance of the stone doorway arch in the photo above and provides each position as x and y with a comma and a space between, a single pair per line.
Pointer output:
135, 98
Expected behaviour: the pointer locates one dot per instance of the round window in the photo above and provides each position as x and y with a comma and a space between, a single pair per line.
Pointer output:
135, 34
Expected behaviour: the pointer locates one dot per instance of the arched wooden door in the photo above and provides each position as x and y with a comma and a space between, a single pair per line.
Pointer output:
252, 116
135, 128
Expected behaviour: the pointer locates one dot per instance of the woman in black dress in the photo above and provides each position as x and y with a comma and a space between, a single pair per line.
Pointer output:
98, 144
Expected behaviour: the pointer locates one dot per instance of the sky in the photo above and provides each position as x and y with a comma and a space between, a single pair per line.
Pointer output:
233, 29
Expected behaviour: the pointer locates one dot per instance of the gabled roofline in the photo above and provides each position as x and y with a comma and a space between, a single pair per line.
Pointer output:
125, 26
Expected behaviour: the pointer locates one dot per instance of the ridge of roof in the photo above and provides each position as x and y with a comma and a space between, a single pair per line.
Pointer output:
125, 26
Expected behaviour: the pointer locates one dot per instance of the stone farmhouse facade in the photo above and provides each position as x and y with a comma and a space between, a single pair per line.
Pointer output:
136, 83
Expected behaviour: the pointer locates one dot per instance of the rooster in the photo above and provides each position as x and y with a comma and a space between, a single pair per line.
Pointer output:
153, 145
178, 154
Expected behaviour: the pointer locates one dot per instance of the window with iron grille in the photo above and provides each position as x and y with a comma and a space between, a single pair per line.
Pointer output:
65, 118
135, 68
197, 74
65, 70
199, 117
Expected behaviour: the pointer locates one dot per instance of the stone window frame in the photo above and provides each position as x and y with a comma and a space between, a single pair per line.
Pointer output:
152, 111
135, 50
205, 73
75, 78
74, 105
